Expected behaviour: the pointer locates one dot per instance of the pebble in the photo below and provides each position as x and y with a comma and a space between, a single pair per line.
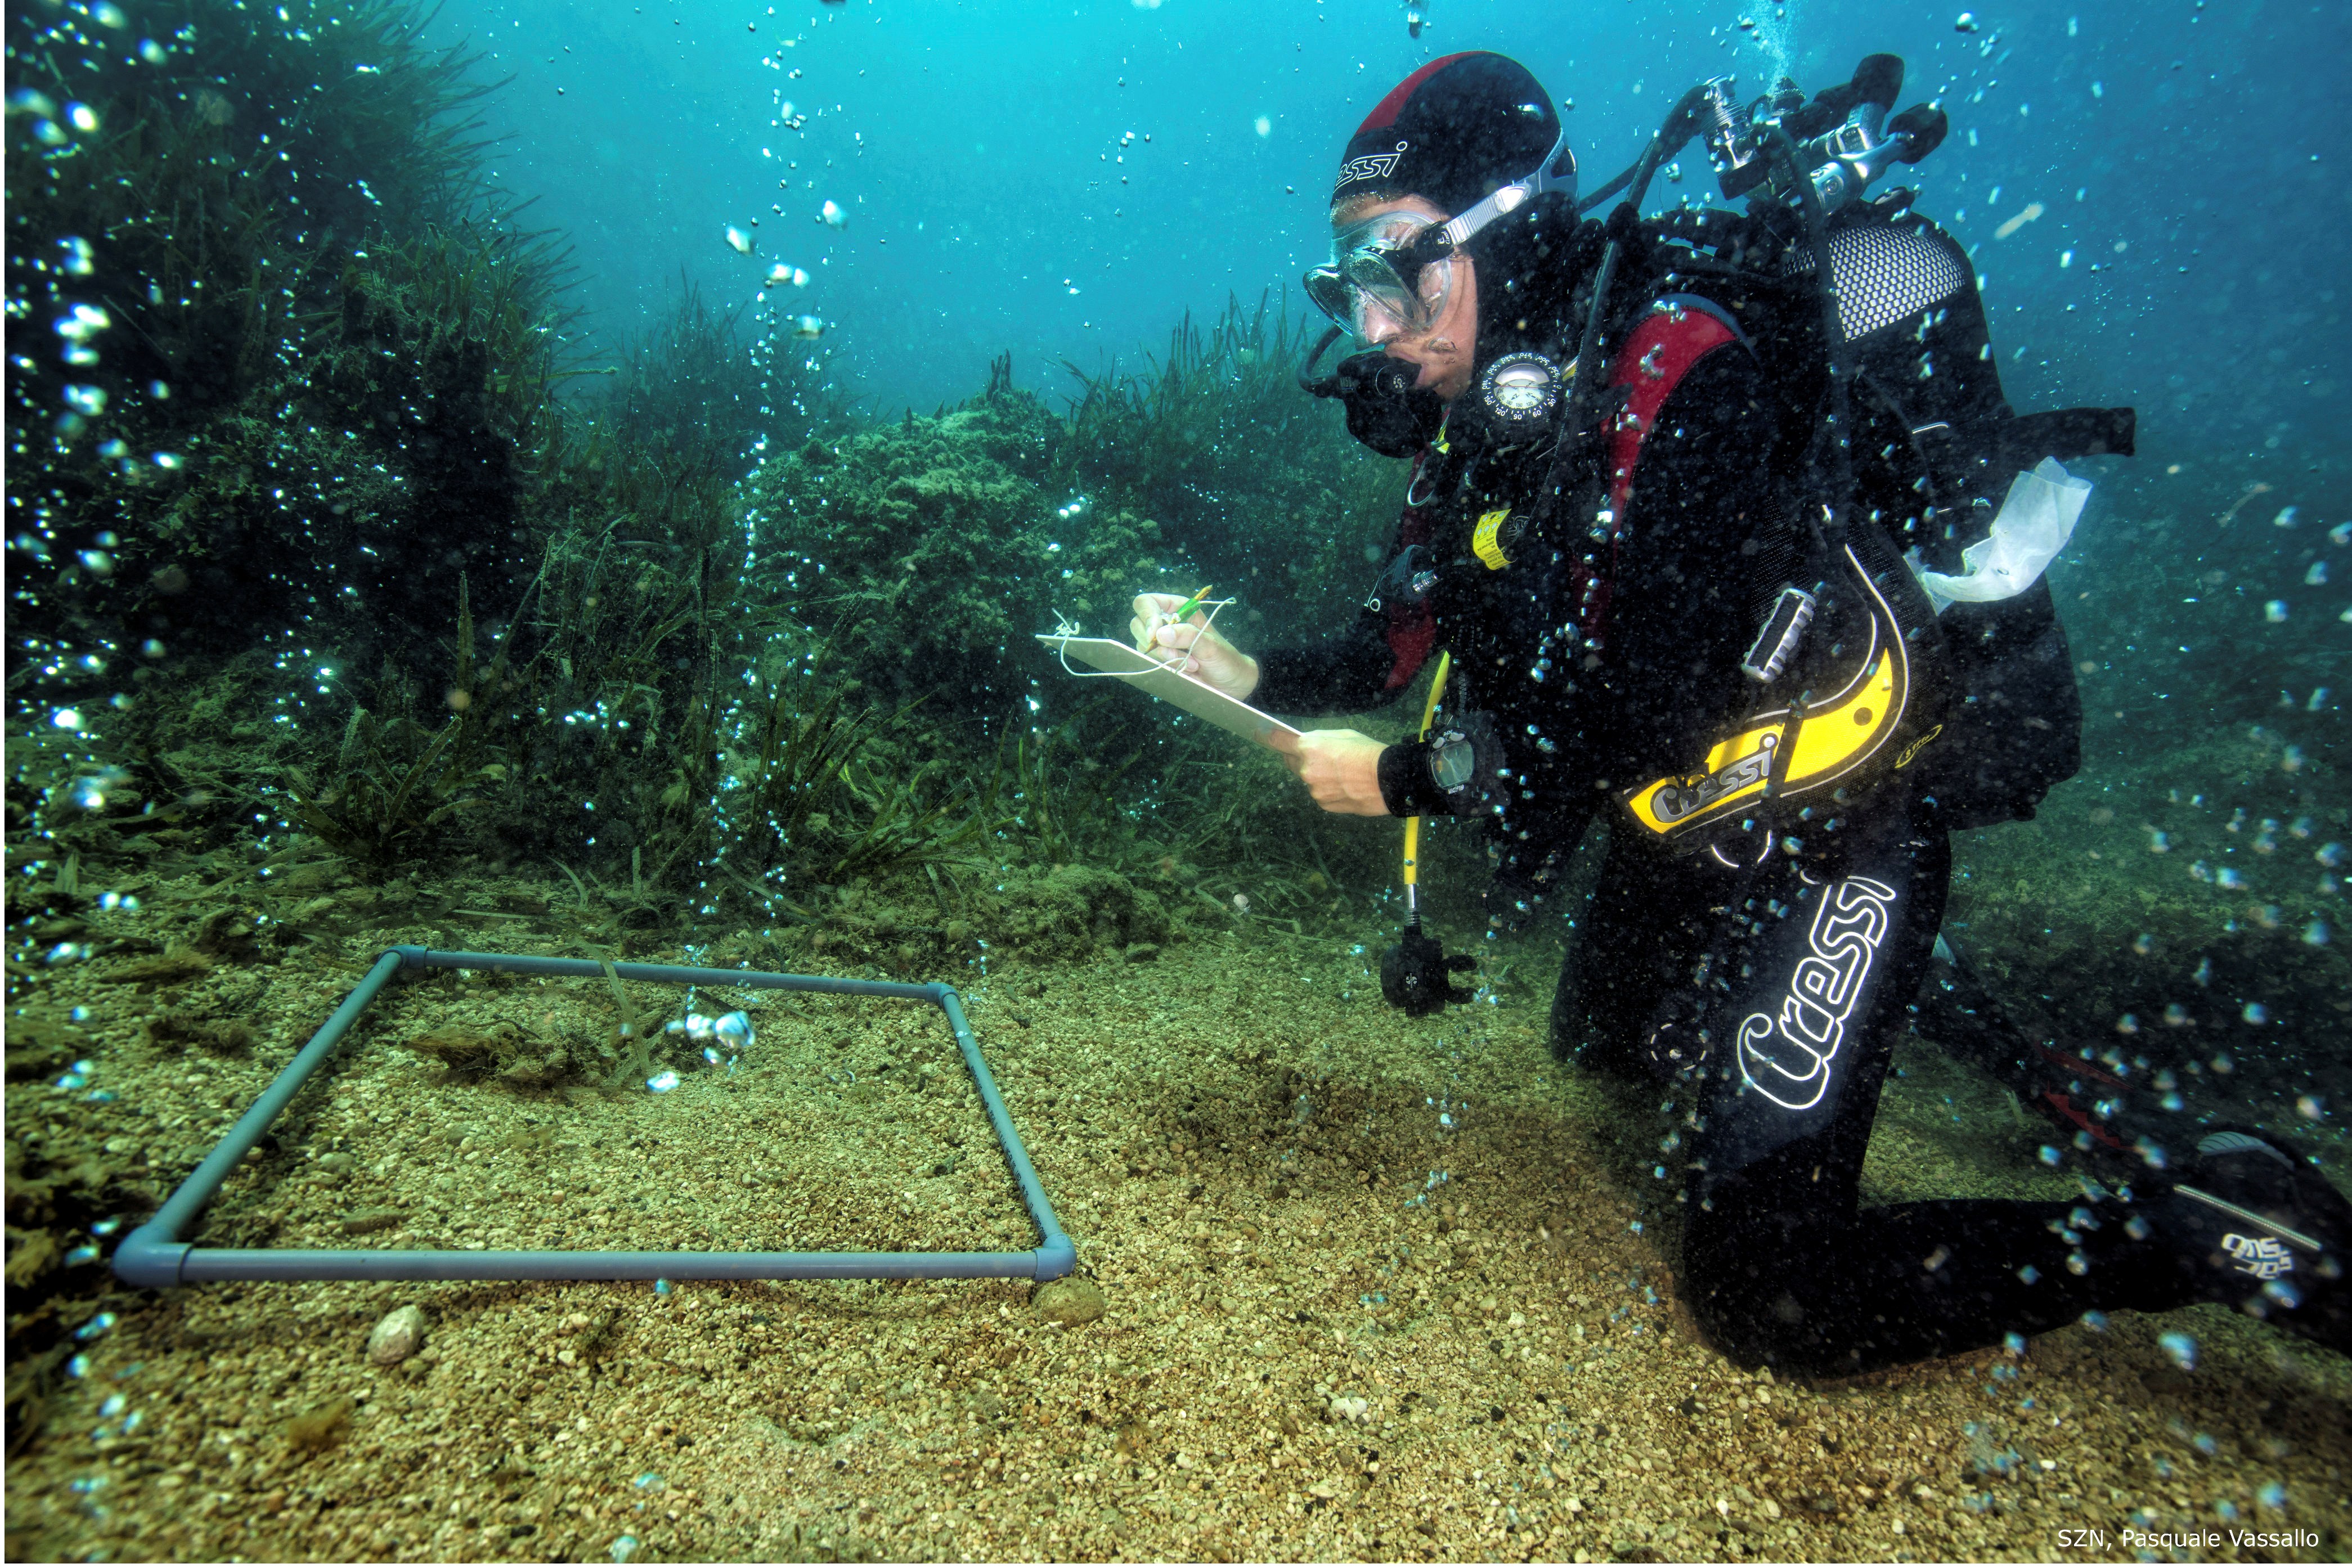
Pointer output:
397, 1337
1069, 1303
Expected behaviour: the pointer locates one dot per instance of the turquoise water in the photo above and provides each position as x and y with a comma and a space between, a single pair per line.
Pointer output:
2186, 194
588, 475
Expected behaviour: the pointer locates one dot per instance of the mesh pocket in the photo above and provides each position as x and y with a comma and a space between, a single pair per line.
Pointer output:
1886, 274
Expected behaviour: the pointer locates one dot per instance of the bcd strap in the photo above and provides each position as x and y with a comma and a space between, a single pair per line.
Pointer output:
1981, 457
1657, 354
1661, 350
1411, 630
2066, 434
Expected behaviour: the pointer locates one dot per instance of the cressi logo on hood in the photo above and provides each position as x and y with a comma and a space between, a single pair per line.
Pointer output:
1453, 132
1368, 166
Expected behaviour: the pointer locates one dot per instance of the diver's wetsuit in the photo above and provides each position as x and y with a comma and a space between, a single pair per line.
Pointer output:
1784, 986
1768, 990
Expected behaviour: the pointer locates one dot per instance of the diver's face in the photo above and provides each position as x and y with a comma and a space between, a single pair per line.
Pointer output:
1442, 349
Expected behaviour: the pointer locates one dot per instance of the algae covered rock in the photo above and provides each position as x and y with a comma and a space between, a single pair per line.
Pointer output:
1071, 1302
932, 550
1072, 910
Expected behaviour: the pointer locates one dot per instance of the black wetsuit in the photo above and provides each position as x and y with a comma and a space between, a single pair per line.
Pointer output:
1766, 988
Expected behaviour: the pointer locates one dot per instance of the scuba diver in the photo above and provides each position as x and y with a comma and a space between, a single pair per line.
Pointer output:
1679, 487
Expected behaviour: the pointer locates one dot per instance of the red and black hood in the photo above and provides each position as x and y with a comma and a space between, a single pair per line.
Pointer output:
1453, 132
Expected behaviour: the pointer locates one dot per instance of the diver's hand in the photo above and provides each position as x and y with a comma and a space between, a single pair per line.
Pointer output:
1192, 645
1340, 768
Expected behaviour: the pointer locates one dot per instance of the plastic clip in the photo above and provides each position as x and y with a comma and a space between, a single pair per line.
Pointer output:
1777, 643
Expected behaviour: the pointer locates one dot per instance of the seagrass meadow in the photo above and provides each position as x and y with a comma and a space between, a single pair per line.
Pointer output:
383, 569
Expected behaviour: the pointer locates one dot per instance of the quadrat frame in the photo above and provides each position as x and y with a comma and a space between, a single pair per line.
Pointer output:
154, 1256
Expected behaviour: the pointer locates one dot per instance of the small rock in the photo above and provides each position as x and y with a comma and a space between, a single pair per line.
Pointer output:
1070, 1303
397, 1336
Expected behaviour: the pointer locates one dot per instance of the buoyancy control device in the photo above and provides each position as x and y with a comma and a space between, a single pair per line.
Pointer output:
1913, 440
1930, 443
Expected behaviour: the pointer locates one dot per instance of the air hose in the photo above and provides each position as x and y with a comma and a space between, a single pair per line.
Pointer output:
1413, 824
1415, 975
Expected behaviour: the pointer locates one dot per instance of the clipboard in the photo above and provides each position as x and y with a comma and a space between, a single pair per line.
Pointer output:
1169, 683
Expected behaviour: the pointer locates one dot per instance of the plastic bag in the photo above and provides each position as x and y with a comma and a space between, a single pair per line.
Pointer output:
2035, 521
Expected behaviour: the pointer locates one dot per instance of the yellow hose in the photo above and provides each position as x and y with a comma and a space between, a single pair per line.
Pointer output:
1413, 824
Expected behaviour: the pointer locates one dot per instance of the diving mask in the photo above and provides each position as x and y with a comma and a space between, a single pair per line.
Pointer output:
1390, 276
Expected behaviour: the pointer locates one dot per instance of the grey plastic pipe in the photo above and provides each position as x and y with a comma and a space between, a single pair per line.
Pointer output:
153, 1256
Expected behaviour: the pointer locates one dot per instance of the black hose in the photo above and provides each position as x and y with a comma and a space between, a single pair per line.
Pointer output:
1320, 386
1588, 375
1609, 190
1808, 207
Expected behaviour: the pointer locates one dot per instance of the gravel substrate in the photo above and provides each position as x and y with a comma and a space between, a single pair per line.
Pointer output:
1369, 1287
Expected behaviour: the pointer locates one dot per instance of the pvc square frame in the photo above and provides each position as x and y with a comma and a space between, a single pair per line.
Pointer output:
153, 1256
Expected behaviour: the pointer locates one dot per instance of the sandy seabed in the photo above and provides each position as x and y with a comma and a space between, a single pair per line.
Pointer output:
1369, 1288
